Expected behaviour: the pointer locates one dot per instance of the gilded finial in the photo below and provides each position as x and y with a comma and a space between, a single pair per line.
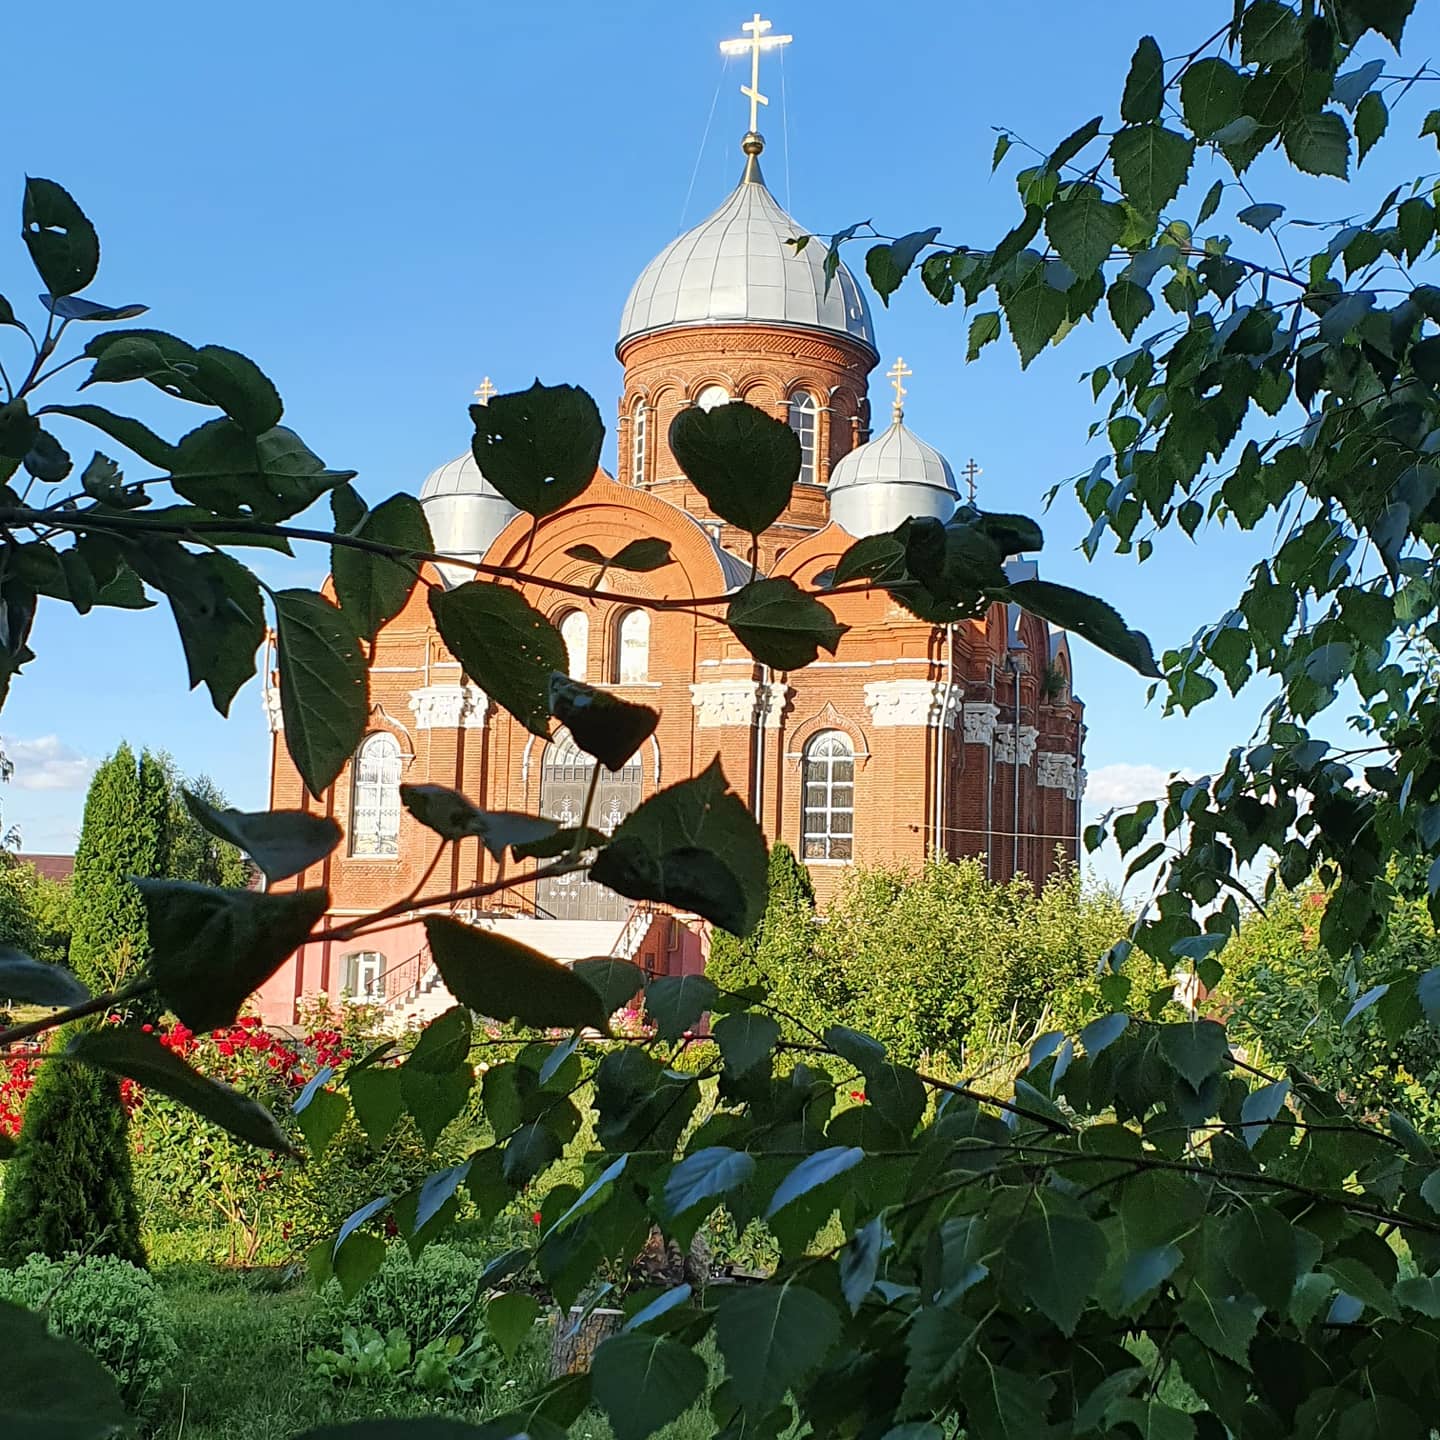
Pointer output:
897, 374
485, 391
755, 40
971, 472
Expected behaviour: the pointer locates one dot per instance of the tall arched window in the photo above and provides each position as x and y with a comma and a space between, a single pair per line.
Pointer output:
632, 647
804, 415
638, 426
375, 814
575, 632
829, 810
711, 396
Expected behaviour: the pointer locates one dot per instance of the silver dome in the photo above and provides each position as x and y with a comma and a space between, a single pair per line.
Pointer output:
893, 478
736, 268
466, 513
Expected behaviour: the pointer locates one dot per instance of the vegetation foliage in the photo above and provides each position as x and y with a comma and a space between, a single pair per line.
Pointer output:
1146, 1233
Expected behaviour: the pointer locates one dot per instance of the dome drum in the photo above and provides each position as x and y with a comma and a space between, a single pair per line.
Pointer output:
466, 514
893, 478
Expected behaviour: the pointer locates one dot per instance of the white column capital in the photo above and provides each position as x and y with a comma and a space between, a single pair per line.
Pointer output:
911, 702
449, 707
724, 702
274, 714
1005, 743
980, 717
1055, 770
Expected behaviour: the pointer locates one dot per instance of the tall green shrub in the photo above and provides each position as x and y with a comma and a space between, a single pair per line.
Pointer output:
192, 852
781, 950
68, 1187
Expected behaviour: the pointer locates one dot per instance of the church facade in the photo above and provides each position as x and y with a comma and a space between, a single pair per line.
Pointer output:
913, 739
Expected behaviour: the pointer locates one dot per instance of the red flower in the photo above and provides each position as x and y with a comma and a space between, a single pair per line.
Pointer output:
535, 1218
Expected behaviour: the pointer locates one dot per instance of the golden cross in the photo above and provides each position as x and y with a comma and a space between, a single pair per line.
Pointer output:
758, 40
970, 472
897, 373
485, 391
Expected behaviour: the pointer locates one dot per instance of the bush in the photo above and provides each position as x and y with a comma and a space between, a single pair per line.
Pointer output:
418, 1297
109, 1306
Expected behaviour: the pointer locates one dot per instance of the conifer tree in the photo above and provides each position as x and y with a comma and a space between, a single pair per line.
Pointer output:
68, 1187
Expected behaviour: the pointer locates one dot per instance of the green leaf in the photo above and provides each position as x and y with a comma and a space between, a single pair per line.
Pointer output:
62, 243
693, 845
860, 1262
434, 1096
320, 1121
281, 842
453, 817
1420, 1293
1262, 1105
1073, 144
218, 611
268, 477
745, 1039
211, 948
1151, 164
1259, 217
813, 1171
531, 1150
505, 980
1002, 147
938, 1343
236, 384
616, 982
377, 1101
772, 1336
1003, 1404
510, 1318
34, 982
1267, 1253
706, 1175
1153, 1418
1145, 83
54, 1389
1318, 144
372, 589
887, 265
639, 556
1195, 1049
1035, 310
1084, 227
69, 307
643, 1382
1060, 1259
1089, 618
540, 447
984, 328
1223, 1323
142, 1057
1269, 32
742, 460
130, 433
601, 724
355, 1265
1211, 94
1129, 305
780, 625
504, 644
676, 1002
1371, 118
322, 686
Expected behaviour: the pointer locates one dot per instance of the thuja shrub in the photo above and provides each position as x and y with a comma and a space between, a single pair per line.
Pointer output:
425, 1297
112, 1308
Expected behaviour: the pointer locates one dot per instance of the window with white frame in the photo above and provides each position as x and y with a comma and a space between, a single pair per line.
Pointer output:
711, 396
575, 632
804, 416
638, 428
375, 814
362, 975
632, 648
829, 806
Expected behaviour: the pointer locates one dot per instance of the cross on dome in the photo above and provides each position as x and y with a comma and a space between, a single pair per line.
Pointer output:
757, 41
897, 374
485, 391
971, 471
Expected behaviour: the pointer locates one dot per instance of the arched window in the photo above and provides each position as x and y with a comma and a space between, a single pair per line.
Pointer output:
829, 811
375, 815
711, 396
804, 414
362, 975
638, 426
632, 648
575, 632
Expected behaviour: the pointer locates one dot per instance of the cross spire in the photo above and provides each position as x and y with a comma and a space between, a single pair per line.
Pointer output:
755, 40
897, 374
971, 472
485, 391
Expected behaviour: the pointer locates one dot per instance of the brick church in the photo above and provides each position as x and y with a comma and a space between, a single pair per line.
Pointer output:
913, 739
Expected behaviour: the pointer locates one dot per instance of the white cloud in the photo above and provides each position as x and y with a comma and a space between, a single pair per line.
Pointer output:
1113, 785
48, 763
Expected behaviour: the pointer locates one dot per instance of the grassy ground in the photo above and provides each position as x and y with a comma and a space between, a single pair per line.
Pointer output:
244, 1373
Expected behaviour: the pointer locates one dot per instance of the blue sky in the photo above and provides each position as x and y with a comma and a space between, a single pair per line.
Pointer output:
383, 203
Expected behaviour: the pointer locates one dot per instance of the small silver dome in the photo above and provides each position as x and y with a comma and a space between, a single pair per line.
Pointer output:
893, 478
736, 268
466, 513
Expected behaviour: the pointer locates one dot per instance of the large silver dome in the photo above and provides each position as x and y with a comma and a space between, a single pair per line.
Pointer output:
893, 478
466, 513
736, 268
